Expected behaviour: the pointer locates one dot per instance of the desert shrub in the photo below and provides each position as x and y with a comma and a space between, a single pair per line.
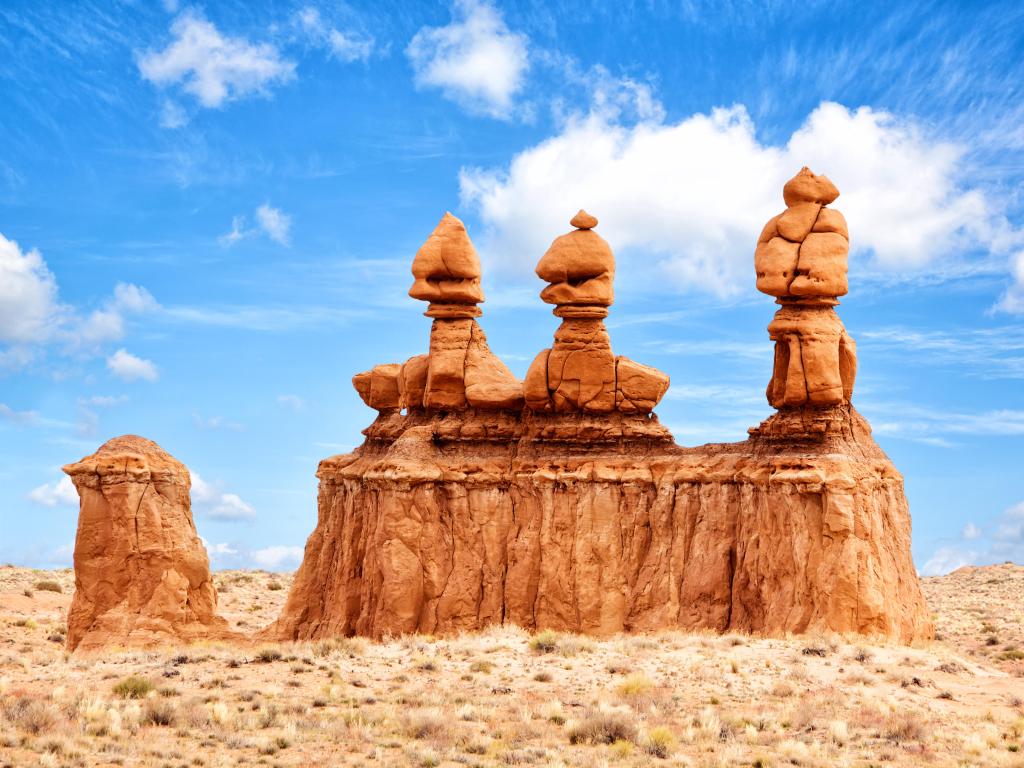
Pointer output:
636, 689
275, 585
160, 712
545, 641
814, 650
659, 742
603, 727
133, 687
28, 714
424, 723
267, 655
542, 677
904, 726
481, 666
49, 586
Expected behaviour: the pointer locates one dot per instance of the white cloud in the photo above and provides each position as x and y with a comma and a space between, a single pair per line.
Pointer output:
216, 422
690, 197
51, 494
345, 46
209, 500
946, 559
476, 60
127, 366
17, 417
272, 222
1013, 300
212, 67
970, 531
293, 402
32, 315
172, 115
277, 557
29, 309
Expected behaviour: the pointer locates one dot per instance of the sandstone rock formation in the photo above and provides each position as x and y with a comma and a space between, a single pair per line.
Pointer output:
580, 372
579, 512
801, 260
142, 577
460, 369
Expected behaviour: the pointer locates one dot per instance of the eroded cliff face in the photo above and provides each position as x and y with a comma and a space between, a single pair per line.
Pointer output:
440, 524
142, 577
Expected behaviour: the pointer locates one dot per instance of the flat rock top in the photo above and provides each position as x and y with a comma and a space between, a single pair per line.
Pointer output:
128, 452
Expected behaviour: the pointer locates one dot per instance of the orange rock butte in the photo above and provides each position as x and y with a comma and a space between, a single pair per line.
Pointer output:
563, 503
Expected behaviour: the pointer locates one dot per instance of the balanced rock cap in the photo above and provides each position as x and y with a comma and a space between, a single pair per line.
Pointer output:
446, 267
583, 220
579, 254
806, 187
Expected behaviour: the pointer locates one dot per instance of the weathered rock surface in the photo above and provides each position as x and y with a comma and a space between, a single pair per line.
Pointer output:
602, 524
801, 259
579, 512
580, 372
142, 577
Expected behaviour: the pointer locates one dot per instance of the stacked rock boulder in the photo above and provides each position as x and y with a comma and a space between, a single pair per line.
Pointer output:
459, 370
142, 577
564, 504
580, 372
801, 259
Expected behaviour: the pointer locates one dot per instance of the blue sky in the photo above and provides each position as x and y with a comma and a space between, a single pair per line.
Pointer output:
208, 213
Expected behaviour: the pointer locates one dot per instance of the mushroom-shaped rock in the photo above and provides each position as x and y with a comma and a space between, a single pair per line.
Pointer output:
142, 577
579, 266
446, 267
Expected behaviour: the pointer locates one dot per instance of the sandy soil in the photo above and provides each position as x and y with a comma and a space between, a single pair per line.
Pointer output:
503, 697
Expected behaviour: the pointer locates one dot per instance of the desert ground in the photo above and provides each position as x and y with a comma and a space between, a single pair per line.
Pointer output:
505, 697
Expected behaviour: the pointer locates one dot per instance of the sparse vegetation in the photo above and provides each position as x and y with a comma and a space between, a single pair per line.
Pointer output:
134, 687
504, 697
48, 585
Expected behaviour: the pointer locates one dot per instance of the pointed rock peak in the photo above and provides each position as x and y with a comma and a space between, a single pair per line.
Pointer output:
448, 253
806, 187
583, 220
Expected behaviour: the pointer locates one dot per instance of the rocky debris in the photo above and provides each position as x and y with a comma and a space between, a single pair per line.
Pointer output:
580, 513
580, 372
460, 371
801, 259
142, 577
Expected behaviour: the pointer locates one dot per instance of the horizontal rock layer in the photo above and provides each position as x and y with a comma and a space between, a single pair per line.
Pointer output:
449, 522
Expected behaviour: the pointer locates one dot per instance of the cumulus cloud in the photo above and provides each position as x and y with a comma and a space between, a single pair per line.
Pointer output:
29, 308
346, 46
209, 500
270, 221
61, 492
278, 557
690, 197
32, 316
128, 367
212, 67
475, 60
